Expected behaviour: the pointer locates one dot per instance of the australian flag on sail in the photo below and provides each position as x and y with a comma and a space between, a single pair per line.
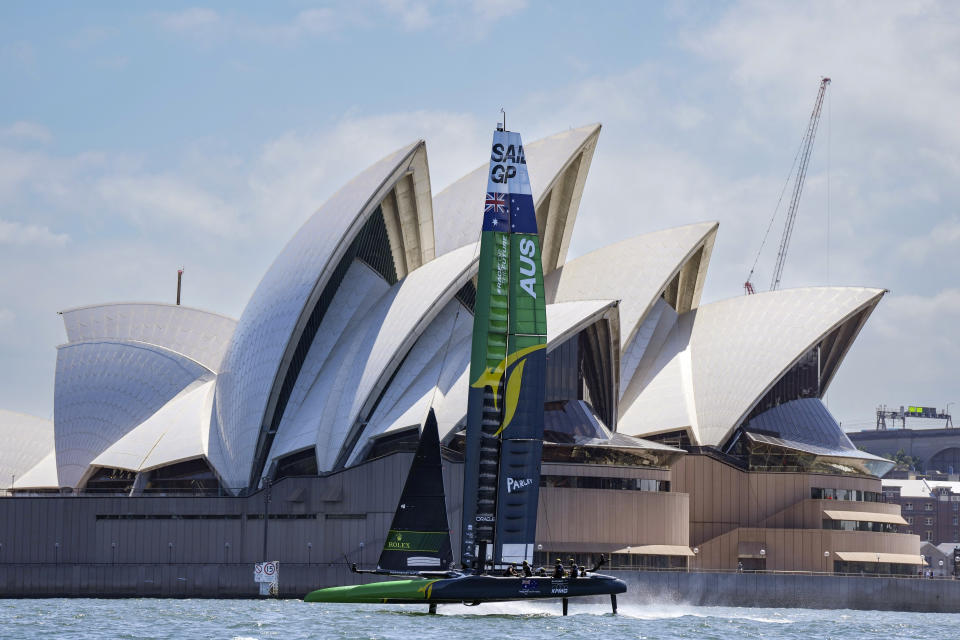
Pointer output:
496, 215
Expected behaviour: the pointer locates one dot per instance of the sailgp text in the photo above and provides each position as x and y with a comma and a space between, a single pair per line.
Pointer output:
505, 158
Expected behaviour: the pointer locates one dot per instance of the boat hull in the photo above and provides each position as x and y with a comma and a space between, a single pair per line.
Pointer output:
469, 589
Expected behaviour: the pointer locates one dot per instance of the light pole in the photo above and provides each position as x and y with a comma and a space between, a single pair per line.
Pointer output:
826, 562
226, 551
170, 552
267, 496
309, 551
113, 551
696, 552
56, 548
940, 562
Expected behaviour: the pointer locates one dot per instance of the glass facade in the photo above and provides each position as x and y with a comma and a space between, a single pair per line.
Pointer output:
853, 495
801, 381
579, 369
546, 559
875, 568
403, 440
193, 477
108, 480
765, 456
598, 482
301, 463
858, 525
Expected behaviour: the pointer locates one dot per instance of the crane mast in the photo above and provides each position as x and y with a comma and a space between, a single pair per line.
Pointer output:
806, 146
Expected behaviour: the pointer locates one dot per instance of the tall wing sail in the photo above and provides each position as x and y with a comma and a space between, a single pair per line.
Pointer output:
419, 537
507, 370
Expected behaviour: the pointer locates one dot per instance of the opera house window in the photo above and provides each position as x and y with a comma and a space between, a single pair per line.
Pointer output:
853, 495
595, 482
857, 525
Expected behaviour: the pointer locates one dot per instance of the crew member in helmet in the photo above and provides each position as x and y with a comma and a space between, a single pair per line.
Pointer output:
558, 569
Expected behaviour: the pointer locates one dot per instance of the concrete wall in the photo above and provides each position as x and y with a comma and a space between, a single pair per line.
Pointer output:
207, 546
790, 590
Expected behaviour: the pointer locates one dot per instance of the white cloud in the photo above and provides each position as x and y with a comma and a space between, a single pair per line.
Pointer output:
208, 26
193, 20
167, 201
16, 233
471, 21
413, 14
25, 130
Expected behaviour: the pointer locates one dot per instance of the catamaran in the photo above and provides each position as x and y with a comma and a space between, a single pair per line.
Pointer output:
504, 435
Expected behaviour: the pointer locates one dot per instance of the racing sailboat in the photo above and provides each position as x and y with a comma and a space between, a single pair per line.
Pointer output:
504, 434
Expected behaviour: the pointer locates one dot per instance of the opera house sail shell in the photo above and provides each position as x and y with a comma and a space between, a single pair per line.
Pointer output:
362, 324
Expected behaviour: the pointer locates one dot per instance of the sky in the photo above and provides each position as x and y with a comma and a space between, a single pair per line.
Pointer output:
136, 138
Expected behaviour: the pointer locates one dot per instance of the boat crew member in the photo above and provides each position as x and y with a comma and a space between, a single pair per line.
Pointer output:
583, 571
574, 572
527, 571
602, 561
511, 570
558, 569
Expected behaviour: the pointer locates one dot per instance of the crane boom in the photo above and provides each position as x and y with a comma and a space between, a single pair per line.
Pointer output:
807, 147
803, 153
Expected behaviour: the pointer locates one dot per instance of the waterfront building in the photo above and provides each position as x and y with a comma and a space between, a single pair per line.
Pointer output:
930, 507
677, 434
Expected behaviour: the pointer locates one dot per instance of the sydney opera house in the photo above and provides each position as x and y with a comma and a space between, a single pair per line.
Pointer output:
678, 434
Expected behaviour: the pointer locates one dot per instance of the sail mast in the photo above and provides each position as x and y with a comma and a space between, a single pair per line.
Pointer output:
507, 370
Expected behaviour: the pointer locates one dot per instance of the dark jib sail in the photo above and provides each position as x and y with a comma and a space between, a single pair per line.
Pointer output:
419, 537
507, 370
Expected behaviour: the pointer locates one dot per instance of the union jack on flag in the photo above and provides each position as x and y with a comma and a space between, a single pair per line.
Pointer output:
496, 203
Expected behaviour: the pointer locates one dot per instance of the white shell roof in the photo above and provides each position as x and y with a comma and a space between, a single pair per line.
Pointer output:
145, 385
42, 475
721, 358
199, 335
104, 389
355, 354
175, 433
276, 314
636, 271
421, 383
26, 441
558, 167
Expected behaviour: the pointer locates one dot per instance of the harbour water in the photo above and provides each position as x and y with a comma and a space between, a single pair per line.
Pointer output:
79, 619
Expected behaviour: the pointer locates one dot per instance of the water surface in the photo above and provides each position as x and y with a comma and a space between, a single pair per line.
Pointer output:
75, 619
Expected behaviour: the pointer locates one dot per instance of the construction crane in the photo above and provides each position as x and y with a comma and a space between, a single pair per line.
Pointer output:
806, 146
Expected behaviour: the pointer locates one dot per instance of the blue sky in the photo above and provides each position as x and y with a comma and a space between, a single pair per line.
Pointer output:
135, 138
